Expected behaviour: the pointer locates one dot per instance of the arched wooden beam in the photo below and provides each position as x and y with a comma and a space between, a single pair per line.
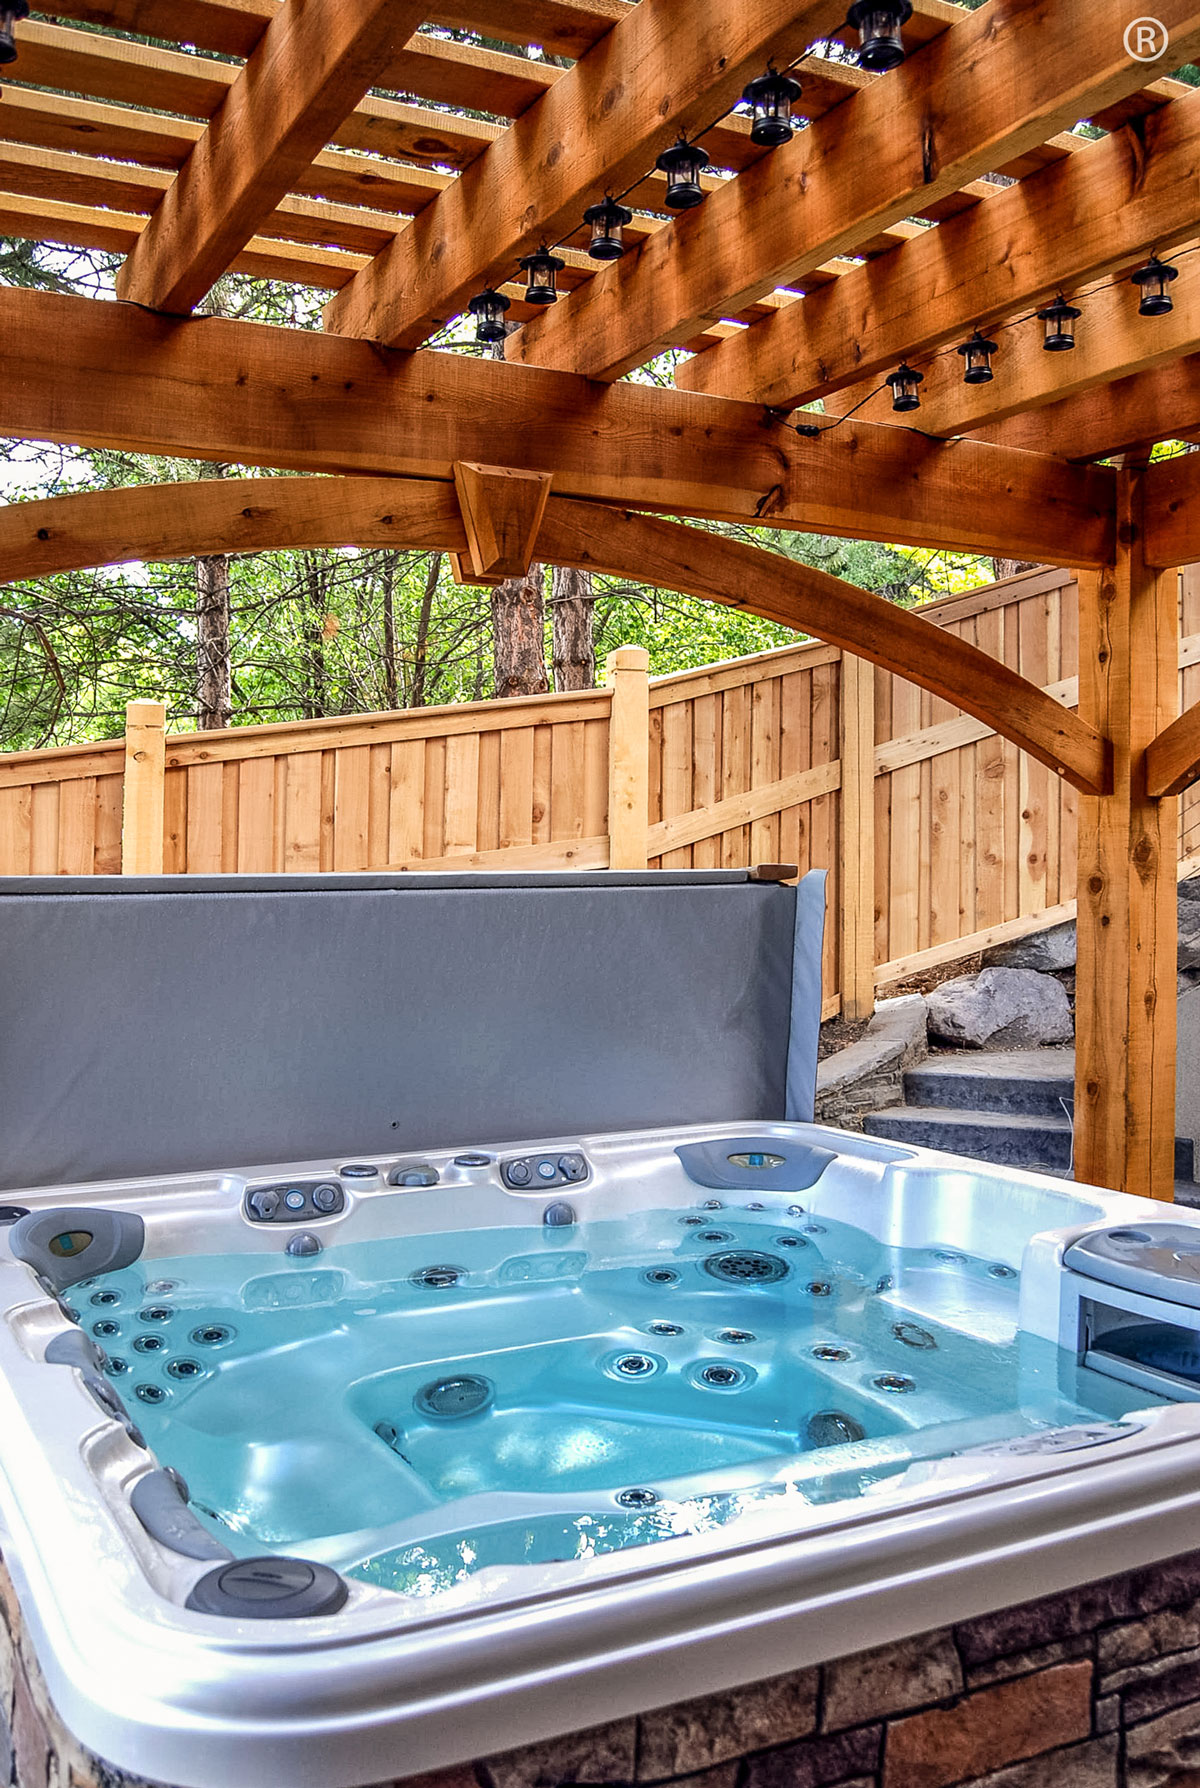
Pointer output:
1173, 759
158, 522
231, 515
747, 577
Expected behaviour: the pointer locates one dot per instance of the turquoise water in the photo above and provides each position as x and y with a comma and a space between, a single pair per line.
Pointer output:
415, 1410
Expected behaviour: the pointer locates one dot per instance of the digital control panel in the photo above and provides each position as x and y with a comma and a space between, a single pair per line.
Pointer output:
294, 1201
530, 1173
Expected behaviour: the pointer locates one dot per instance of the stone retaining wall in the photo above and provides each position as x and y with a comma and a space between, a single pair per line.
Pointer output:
1095, 1688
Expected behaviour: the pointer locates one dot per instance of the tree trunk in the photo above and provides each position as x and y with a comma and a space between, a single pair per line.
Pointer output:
214, 690
421, 651
573, 609
519, 635
1002, 568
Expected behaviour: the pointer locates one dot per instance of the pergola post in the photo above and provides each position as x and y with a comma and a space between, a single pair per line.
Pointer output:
1125, 975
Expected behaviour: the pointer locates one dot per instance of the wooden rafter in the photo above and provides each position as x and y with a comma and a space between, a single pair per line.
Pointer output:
760, 360
663, 69
1125, 416
311, 67
1111, 340
96, 528
74, 369
1017, 70
1077, 220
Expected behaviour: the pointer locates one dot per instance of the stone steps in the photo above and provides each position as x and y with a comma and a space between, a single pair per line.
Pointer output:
1010, 1107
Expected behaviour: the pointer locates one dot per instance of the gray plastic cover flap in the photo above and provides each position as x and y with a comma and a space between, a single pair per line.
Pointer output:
173, 1025
1159, 1260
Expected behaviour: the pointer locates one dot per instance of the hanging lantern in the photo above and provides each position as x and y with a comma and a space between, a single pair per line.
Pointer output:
488, 310
682, 163
904, 382
977, 357
541, 272
606, 222
1152, 281
879, 23
10, 12
771, 98
1059, 318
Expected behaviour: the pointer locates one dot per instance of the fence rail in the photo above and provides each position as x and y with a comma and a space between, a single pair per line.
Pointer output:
940, 837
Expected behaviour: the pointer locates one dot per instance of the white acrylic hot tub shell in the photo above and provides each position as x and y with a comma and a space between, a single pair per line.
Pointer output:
390, 1687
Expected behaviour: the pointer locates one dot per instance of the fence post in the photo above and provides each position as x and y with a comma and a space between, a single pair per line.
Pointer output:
627, 672
857, 914
145, 775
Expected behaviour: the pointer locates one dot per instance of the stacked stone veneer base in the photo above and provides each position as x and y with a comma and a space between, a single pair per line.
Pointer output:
1095, 1688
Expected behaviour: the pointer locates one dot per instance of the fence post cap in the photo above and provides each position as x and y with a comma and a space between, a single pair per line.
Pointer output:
628, 658
146, 713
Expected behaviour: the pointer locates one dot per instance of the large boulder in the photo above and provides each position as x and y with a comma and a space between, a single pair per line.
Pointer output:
1048, 951
1000, 1008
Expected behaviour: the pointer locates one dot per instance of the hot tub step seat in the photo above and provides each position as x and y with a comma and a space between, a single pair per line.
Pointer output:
1031, 1082
1009, 1139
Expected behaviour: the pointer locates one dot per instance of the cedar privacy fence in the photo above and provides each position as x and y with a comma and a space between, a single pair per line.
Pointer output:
940, 837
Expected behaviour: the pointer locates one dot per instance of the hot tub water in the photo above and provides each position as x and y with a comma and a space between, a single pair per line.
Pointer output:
413, 1410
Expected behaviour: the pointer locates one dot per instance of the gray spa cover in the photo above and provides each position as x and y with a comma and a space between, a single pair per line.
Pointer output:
152, 1026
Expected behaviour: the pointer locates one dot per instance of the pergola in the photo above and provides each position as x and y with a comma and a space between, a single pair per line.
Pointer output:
916, 206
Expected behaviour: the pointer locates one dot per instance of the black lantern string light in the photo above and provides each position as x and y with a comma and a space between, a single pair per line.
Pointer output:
488, 310
683, 163
904, 382
607, 220
1152, 281
879, 24
977, 354
541, 272
10, 12
1059, 320
771, 98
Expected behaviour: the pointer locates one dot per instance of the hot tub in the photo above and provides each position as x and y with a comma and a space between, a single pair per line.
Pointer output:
331, 1472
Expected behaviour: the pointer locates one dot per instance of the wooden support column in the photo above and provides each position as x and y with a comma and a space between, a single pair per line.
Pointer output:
627, 673
145, 775
1125, 976
857, 977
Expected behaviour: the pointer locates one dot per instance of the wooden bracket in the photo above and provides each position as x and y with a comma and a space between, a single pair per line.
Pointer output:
502, 512
466, 578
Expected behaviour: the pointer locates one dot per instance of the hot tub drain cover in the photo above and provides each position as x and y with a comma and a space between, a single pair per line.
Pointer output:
744, 1266
447, 1399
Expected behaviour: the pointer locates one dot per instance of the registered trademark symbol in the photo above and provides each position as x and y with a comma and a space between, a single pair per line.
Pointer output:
1146, 40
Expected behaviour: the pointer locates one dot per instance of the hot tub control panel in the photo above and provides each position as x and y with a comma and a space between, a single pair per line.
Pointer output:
533, 1173
294, 1201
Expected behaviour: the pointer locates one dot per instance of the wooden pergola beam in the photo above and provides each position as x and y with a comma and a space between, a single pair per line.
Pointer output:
1077, 220
1111, 341
1018, 71
82, 371
745, 577
1127, 415
311, 67
1172, 504
1050, 60
662, 69
505, 517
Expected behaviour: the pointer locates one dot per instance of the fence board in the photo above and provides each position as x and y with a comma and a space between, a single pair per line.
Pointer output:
973, 842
